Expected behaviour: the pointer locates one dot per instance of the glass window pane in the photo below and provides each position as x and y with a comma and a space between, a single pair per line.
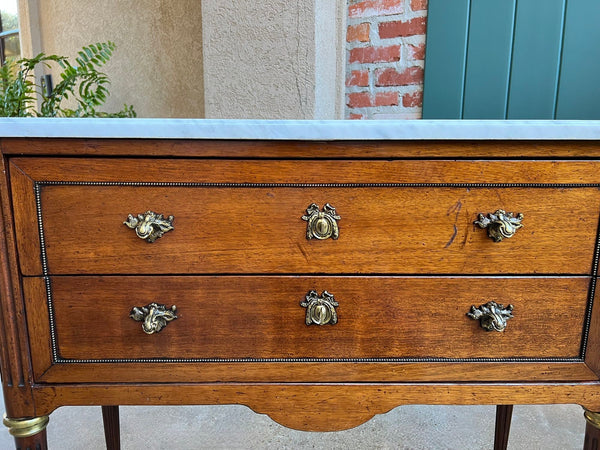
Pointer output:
8, 15
12, 47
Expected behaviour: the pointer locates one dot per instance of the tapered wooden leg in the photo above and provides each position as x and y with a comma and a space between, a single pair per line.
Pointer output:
503, 416
29, 434
592, 431
35, 442
112, 432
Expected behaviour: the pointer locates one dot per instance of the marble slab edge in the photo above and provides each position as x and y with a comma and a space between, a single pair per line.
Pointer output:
314, 130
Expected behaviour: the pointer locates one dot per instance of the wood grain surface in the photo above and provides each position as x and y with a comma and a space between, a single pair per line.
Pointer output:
308, 171
349, 372
36, 442
260, 230
300, 149
261, 317
38, 319
407, 267
26, 221
321, 407
592, 356
15, 361
47, 372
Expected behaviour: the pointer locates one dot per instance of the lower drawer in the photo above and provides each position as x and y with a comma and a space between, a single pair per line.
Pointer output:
264, 318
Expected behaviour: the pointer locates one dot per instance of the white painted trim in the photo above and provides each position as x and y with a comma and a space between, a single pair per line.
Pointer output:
325, 59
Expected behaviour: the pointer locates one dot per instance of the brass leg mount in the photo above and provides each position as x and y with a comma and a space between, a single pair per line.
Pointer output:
592, 418
22, 428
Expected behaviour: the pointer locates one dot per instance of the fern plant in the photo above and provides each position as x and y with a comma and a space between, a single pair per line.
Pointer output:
82, 90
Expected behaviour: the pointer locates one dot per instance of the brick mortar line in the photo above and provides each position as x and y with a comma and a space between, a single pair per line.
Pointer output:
404, 63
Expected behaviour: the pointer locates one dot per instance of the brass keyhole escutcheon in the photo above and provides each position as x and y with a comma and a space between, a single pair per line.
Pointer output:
320, 310
321, 224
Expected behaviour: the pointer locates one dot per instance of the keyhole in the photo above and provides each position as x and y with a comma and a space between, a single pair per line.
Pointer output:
321, 315
322, 227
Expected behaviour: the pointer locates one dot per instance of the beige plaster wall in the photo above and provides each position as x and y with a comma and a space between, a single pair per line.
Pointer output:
273, 59
205, 58
157, 66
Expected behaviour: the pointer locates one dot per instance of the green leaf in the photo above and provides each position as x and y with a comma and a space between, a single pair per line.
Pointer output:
83, 84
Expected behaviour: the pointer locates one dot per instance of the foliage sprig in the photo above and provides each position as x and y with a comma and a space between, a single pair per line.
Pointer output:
83, 85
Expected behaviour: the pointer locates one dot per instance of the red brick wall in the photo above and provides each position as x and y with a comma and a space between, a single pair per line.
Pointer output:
385, 40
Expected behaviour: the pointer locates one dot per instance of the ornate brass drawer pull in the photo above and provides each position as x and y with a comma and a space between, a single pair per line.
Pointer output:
492, 315
154, 317
149, 226
320, 310
501, 224
321, 224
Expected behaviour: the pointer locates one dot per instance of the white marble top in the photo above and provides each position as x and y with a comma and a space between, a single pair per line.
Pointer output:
319, 130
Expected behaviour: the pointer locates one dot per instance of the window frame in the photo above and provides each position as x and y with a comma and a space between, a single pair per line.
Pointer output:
3, 36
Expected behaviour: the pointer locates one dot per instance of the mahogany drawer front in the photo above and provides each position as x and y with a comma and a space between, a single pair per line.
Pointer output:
402, 230
262, 317
246, 216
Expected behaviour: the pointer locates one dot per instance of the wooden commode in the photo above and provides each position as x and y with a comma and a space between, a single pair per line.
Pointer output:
317, 272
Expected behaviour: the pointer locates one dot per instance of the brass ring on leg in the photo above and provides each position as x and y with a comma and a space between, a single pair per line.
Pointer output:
592, 418
22, 428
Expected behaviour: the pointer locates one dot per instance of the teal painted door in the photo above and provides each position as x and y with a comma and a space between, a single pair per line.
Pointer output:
512, 59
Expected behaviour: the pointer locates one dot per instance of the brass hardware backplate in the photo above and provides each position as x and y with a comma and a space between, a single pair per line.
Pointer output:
154, 317
150, 225
320, 310
500, 224
321, 224
492, 316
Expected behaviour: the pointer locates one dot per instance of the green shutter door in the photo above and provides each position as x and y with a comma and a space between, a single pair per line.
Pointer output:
512, 59
486, 83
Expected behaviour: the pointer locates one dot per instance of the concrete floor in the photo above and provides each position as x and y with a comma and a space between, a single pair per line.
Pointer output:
559, 427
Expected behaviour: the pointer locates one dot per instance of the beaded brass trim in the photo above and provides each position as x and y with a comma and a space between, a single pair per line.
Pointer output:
56, 358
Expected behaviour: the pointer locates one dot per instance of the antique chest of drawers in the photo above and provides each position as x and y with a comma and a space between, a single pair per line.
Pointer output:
317, 272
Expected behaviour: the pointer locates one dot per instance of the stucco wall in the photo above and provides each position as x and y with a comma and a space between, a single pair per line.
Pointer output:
157, 66
273, 59
227, 59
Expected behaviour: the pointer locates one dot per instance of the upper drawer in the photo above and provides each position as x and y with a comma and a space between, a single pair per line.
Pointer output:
403, 217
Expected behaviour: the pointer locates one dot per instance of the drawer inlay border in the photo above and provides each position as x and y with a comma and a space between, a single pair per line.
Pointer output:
57, 359
591, 295
316, 360
313, 185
